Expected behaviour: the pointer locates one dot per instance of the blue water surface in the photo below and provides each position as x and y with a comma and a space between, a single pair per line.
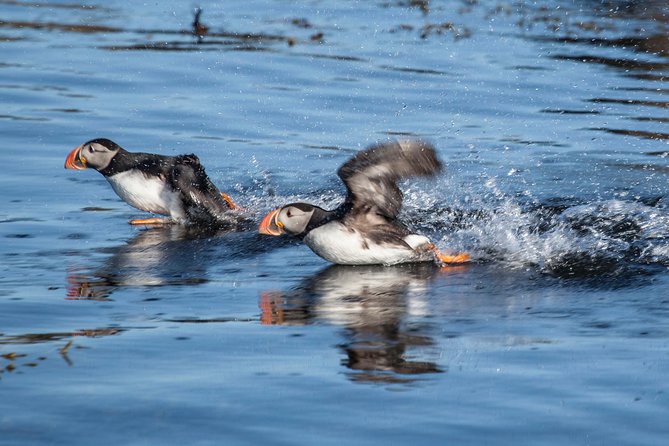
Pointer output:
550, 118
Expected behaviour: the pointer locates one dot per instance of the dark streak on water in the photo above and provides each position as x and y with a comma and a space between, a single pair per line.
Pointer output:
551, 119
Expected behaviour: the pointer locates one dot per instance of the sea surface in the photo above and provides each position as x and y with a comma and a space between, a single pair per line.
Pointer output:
551, 119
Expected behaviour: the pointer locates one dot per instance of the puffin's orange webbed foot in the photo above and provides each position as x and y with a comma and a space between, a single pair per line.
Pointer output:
155, 221
457, 259
228, 200
448, 259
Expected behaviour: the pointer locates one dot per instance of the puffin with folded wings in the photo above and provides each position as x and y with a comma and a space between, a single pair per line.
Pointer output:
175, 186
364, 229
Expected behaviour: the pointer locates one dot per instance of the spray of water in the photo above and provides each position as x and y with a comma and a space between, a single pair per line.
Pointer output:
605, 237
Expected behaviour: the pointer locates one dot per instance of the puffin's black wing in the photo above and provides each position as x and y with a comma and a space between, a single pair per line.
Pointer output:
201, 199
371, 176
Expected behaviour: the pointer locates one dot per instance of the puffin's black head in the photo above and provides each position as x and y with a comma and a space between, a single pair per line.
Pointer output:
293, 219
96, 154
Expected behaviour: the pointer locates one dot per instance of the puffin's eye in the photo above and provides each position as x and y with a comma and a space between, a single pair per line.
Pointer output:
90, 149
288, 214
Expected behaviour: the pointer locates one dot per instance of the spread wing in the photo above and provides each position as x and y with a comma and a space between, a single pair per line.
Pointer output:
371, 176
202, 200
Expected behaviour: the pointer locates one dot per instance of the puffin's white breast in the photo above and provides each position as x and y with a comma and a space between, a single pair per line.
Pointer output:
147, 193
339, 244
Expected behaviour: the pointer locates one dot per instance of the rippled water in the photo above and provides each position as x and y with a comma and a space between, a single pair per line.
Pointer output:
552, 120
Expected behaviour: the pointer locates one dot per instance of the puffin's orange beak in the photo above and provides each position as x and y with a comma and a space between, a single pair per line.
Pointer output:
75, 160
270, 224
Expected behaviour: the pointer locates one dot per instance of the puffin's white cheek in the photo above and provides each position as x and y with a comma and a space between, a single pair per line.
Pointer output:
290, 226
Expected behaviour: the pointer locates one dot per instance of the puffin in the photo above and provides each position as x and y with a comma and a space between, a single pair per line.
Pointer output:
175, 186
365, 229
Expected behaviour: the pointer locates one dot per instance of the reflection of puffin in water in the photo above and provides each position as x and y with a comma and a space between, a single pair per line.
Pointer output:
176, 186
373, 304
365, 230
164, 255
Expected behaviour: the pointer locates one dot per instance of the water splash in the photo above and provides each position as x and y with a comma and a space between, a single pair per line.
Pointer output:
562, 237
608, 237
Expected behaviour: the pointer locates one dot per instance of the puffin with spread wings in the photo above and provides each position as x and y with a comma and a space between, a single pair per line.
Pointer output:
175, 186
364, 229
